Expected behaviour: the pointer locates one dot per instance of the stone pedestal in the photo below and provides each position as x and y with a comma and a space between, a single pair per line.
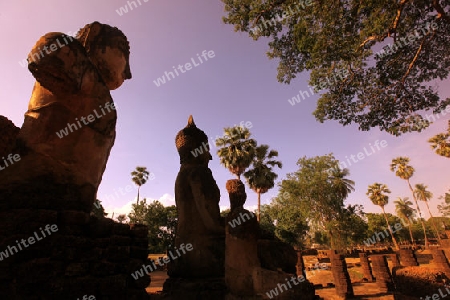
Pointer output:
365, 265
407, 258
341, 277
382, 274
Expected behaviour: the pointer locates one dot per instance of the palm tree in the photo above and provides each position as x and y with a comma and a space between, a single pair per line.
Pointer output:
261, 178
139, 177
343, 186
440, 143
423, 195
405, 212
401, 168
377, 194
237, 151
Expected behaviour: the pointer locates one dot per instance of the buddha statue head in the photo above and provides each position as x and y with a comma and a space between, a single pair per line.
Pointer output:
236, 191
189, 141
108, 49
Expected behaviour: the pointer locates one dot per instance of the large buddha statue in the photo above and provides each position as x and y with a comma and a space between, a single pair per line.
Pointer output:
69, 127
197, 198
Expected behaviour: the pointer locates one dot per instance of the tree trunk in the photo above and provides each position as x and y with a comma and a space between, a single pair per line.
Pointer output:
420, 215
390, 230
137, 201
332, 243
432, 222
410, 231
258, 216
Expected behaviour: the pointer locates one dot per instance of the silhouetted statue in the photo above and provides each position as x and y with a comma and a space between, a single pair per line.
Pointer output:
199, 273
242, 233
197, 198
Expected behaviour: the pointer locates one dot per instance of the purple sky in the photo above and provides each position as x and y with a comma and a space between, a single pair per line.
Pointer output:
237, 84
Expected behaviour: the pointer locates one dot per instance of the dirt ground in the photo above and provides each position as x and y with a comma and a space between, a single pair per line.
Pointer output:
362, 290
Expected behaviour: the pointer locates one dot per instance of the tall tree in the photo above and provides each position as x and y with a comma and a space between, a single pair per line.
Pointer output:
138, 212
260, 177
343, 186
337, 41
317, 192
401, 168
161, 222
424, 195
139, 177
351, 226
237, 149
440, 143
377, 193
286, 221
377, 221
405, 212
444, 207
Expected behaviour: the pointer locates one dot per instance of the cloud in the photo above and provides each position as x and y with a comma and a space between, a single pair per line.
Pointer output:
124, 209
166, 200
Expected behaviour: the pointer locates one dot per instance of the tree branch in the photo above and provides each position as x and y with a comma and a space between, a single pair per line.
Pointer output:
397, 19
373, 37
276, 3
416, 56
441, 11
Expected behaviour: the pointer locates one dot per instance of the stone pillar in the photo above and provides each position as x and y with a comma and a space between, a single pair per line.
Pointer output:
407, 258
300, 264
382, 274
365, 264
395, 260
440, 261
341, 277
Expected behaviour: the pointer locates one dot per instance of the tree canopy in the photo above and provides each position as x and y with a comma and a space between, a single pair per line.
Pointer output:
236, 149
318, 190
161, 222
260, 177
377, 60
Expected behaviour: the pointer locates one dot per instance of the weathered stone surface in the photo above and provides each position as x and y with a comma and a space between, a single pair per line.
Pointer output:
246, 257
341, 277
440, 261
55, 182
300, 266
407, 258
71, 94
8, 135
241, 250
395, 260
365, 265
268, 280
197, 198
382, 274
275, 254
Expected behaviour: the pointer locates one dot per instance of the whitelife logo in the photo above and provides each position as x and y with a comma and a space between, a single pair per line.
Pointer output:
187, 66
